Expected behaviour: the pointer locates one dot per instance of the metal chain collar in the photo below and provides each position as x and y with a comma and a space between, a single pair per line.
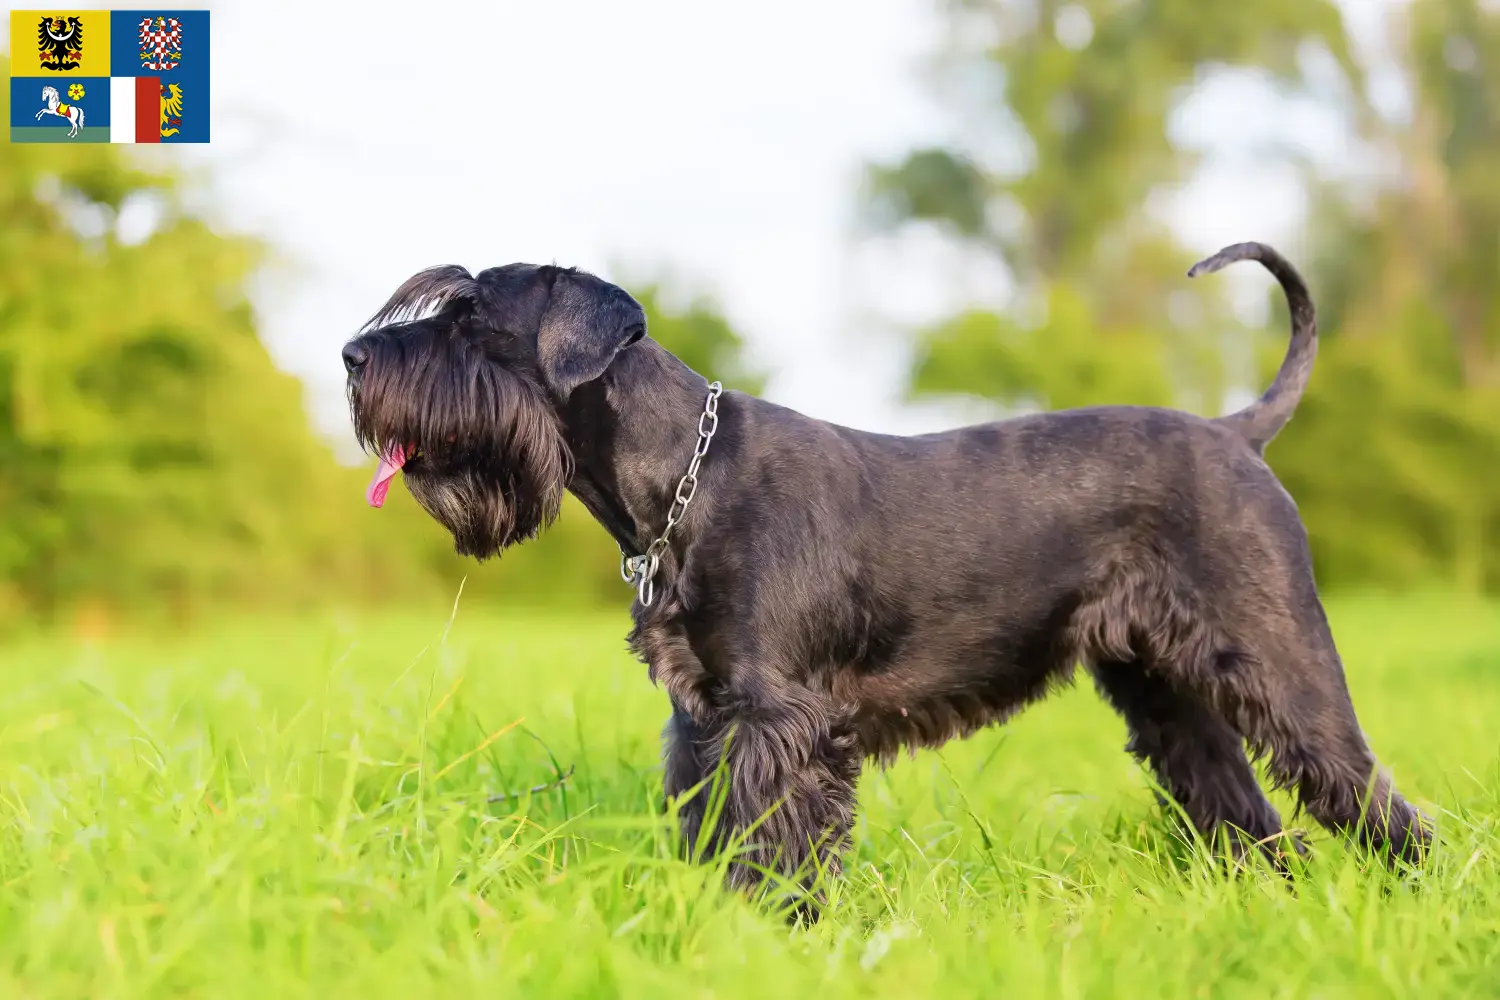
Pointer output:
640, 571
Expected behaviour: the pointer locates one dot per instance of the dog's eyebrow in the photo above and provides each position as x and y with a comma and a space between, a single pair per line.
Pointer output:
425, 293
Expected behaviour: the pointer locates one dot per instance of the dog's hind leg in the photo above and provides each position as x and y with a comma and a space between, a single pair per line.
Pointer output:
1291, 700
1196, 756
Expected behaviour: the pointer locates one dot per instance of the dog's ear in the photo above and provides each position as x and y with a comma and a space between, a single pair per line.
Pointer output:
588, 321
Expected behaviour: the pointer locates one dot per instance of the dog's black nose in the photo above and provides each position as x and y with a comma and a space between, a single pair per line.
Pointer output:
355, 356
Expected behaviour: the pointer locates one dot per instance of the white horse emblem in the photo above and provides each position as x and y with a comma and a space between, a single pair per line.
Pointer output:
72, 112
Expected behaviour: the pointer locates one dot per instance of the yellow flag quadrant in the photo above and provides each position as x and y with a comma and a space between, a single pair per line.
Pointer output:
85, 40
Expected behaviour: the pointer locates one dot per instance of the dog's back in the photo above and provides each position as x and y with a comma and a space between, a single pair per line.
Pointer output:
968, 551
963, 568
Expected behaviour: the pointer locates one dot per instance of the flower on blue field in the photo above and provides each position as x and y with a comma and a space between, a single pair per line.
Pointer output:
75, 92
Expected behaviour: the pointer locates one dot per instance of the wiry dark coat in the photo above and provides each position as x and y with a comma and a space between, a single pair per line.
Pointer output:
834, 595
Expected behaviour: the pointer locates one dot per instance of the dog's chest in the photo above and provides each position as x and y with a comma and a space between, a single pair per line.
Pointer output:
672, 663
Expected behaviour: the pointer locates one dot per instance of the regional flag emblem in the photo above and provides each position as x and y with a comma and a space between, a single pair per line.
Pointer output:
48, 42
145, 109
62, 108
70, 113
59, 42
161, 42
121, 76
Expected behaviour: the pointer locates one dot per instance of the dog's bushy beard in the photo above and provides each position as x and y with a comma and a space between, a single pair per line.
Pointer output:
485, 451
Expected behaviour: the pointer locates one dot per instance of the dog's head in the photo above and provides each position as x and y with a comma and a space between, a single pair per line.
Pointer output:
459, 383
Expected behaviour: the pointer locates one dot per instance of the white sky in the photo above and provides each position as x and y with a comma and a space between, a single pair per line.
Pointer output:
720, 143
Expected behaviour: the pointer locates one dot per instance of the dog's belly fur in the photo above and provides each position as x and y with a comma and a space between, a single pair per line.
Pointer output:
943, 582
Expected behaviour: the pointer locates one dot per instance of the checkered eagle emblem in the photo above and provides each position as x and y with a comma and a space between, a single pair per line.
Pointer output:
161, 43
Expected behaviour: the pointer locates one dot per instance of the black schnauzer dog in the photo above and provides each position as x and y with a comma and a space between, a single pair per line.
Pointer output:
811, 596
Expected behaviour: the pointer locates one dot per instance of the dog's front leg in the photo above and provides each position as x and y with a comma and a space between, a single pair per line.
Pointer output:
792, 762
686, 770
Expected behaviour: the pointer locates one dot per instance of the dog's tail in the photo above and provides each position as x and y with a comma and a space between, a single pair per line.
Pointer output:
1263, 419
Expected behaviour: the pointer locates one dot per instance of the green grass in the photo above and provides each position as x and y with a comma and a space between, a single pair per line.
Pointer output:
299, 809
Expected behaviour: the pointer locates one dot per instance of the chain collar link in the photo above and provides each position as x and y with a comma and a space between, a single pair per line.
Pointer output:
640, 571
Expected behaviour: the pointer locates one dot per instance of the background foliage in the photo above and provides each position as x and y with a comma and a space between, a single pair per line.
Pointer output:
152, 458
1394, 455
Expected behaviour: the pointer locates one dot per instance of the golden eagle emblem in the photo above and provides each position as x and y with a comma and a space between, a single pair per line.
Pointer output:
171, 109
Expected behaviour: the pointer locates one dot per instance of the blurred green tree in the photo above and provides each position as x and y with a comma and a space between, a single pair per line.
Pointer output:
1407, 394
1392, 456
1077, 96
150, 453
697, 332
153, 459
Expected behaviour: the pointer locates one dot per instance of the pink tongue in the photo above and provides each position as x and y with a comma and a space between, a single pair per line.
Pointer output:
390, 464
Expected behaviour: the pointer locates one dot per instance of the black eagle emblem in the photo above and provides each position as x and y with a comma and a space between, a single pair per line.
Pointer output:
59, 42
